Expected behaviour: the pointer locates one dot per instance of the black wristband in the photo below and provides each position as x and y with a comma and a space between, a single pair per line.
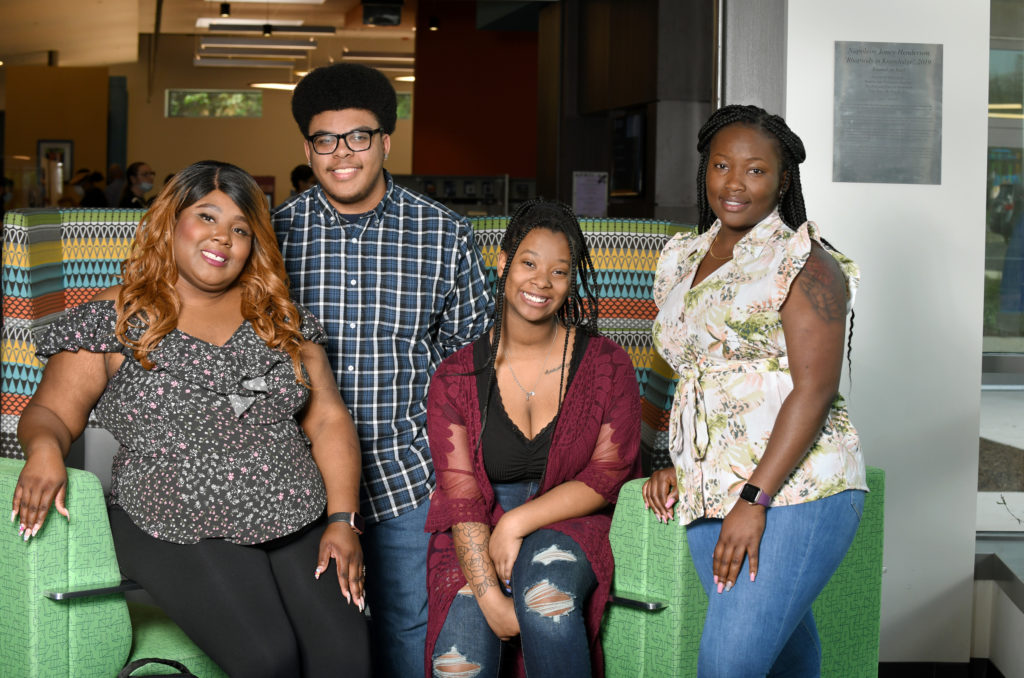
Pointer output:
353, 520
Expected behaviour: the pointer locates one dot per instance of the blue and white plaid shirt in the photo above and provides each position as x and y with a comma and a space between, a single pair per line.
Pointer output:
398, 291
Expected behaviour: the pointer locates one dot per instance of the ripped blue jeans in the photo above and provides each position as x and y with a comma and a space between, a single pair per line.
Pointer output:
551, 581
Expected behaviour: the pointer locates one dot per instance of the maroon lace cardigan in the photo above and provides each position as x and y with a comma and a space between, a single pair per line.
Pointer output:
596, 441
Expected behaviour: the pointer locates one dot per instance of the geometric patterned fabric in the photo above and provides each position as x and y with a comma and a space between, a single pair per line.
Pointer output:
653, 564
55, 259
625, 254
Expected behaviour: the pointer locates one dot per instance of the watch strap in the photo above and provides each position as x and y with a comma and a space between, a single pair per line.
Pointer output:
352, 519
755, 495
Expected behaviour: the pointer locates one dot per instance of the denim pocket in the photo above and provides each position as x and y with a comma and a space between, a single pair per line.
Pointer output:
857, 502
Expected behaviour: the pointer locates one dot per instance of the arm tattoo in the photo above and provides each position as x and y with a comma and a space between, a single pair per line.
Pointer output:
471, 542
823, 286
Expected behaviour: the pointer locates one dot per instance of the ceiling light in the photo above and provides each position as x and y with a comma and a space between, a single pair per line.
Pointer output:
225, 9
276, 28
240, 63
435, 24
213, 23
286, 86
406, 78
393, 57
1010, 107
252, 52
267, 30
262, 43
279, 2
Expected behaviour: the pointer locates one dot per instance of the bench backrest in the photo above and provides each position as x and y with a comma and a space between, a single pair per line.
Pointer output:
55, 259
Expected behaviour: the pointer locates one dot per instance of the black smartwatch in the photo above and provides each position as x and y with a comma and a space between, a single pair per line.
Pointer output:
353, 520
752, 494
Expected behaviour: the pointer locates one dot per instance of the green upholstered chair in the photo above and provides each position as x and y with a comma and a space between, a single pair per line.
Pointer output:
88, 636
653, 626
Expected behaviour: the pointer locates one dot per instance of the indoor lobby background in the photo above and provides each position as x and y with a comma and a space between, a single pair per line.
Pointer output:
533, 91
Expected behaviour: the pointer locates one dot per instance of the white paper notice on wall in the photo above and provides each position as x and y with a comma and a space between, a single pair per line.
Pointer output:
590, 194
887, 119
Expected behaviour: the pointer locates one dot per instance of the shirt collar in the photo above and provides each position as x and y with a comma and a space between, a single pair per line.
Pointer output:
750, 245
326, 209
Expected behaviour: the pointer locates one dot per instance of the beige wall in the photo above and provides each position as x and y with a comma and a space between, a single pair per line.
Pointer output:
270, 145
74, 107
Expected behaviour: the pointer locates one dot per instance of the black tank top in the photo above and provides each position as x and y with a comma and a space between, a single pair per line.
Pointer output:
509, 456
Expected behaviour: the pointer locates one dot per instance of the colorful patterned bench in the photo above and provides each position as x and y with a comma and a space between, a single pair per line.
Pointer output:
55, 259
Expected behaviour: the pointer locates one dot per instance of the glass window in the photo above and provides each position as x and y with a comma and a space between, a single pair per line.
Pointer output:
1001, 453
213, 103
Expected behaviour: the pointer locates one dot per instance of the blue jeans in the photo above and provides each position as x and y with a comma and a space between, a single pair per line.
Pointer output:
551, 581
766, 627
395, 552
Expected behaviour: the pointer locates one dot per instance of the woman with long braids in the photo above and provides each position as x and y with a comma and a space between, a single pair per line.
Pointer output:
532, 429
768, 476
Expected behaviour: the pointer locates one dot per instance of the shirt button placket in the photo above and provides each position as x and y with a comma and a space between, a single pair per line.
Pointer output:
350, 338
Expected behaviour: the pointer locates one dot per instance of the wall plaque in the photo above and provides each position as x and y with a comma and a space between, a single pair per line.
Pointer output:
887, 120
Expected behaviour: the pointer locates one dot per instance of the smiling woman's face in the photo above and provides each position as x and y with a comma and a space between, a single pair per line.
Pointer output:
744, 175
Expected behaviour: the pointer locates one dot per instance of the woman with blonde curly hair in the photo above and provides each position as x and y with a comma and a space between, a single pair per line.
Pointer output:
238, 465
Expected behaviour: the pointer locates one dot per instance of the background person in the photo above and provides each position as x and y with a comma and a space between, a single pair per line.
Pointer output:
752, 317
524, 497
399, 283
87, 190
139, 179
199, 364
302, 178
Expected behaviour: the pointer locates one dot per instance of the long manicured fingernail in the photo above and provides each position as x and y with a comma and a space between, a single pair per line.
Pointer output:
752, 575
28, 533
14, 514
348, 597
21, 529
720, 587
728, 587
35, 529
316, 573
716, 578
362, 604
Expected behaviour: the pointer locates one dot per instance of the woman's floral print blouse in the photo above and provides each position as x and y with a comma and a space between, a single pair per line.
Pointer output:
724, 337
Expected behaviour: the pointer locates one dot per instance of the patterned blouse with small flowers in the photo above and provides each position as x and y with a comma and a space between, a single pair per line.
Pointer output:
209, 444
724, 336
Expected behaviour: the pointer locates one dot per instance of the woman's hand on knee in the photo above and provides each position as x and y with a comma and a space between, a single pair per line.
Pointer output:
740, 537
506, 540
500, 614
661, 492
339, 541
43, 481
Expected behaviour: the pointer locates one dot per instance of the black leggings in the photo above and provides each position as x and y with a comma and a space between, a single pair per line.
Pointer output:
255, 610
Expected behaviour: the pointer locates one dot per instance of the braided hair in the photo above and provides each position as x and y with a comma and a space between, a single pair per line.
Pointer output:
791, 152
580, 307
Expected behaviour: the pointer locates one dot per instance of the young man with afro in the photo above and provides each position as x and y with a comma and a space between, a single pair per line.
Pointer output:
399, 284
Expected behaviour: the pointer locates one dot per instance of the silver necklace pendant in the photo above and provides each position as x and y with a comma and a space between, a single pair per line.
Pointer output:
530, 394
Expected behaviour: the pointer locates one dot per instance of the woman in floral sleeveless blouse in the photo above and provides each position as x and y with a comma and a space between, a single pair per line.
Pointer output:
768, 475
